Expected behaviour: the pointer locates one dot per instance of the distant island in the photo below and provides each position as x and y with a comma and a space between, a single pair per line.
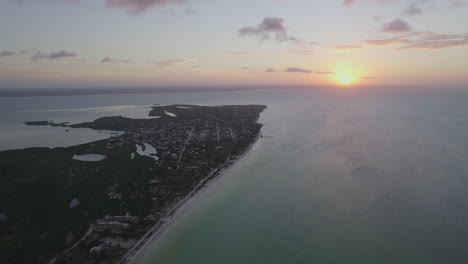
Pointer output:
102, 201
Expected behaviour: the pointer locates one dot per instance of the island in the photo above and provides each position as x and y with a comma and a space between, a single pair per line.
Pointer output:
44, 123
102, 201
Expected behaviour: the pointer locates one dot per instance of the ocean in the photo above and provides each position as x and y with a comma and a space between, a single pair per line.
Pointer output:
340, 176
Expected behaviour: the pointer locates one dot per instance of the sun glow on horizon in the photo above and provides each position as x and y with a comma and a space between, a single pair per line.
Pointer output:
344, 79
347, 72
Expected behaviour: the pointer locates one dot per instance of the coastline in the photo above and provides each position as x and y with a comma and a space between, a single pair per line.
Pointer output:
169, 217
126, 197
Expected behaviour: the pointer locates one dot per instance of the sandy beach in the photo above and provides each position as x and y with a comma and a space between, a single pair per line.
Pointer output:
170, 216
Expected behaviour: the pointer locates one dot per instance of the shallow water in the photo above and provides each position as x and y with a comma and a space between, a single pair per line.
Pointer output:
149, 151
345, 176
89, 157
170, 114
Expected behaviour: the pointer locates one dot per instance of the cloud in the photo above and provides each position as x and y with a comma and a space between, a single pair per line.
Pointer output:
436, 44
107, 60
111, 60
302, 52
396, 26
6, 53
300, 70
324, 72
268, 25
422, 40
385, 42
412, 10
240, 53
55, 55
61, 54
416, 9
268, 28
172, 63
456, 3
270, 70
348, 3
133, 7
347, 47
190, 12
39, 56
139, 6
249, 68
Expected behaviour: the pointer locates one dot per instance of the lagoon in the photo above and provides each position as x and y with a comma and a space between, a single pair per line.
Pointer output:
89, 157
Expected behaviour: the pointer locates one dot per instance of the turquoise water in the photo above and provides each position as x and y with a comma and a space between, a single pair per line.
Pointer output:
349, 176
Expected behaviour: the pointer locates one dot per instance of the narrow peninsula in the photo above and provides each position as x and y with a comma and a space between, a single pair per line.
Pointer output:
101, 202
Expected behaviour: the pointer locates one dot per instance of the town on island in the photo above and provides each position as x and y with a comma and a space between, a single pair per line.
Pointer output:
103, 201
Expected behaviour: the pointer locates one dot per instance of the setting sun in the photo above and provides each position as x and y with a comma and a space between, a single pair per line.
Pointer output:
346, 79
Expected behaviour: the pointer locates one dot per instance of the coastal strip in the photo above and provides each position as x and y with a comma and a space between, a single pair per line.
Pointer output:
106, 200
170, 217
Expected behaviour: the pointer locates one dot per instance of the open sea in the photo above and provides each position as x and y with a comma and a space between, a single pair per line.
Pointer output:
350, 176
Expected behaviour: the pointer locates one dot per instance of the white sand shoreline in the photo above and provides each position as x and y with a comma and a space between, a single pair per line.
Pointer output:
174, 210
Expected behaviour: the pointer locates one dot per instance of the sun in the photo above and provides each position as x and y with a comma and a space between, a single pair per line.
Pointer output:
346, 79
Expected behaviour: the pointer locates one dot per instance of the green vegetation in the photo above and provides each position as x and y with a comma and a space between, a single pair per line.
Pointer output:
38, 184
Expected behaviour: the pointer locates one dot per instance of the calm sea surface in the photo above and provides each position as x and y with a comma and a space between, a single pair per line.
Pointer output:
348, 176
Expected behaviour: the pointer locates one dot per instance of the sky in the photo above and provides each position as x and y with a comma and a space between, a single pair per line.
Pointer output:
107, 43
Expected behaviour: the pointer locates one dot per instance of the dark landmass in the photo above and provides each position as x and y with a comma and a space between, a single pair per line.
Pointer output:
45, 123
56, 209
